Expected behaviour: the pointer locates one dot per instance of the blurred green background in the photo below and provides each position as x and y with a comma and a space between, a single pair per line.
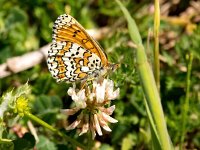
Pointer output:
26, 26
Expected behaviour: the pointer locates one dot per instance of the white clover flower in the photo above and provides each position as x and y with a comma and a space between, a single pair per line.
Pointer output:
92, 102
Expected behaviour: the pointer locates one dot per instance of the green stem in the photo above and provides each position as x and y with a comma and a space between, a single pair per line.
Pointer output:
186, 104
5, 141
89, 140
156, 43
46, 125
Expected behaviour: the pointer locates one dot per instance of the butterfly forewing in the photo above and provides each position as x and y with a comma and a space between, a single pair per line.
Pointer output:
66, 28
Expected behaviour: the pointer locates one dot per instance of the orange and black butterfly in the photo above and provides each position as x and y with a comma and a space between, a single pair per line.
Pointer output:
74, 55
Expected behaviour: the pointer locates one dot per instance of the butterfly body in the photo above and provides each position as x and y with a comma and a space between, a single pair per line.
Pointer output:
74, 55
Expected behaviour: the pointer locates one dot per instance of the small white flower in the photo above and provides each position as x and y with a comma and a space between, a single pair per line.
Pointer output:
91, 101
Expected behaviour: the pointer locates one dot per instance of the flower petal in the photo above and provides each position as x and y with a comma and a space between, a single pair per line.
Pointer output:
108, 118
97, 126
108, 110
78, 98
103, 124
113, 95
109, 84
81, 94
91, 97
106, 127
81, 99
94, 85
84, 129
73, 125
100, 93
70, 112
85, 124
71, 91
76, 122
92, 129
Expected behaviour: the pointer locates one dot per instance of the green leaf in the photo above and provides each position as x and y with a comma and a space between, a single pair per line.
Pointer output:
128, 142
106, 147
6, 146
45, 143
154, 135
119, 132
47, 107
15, 16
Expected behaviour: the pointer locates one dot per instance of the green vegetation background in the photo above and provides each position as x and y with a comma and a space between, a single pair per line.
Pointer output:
27, 25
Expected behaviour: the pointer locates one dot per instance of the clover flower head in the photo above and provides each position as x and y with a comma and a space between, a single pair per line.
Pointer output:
92, 103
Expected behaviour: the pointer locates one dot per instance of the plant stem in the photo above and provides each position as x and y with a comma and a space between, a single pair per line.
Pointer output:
186, 104
156, 43
46, 125
5, 141
89, 140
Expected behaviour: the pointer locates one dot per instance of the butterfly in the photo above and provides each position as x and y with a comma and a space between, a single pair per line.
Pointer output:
74, 55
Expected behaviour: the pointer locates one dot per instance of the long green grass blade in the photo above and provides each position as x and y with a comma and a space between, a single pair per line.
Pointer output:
148, 84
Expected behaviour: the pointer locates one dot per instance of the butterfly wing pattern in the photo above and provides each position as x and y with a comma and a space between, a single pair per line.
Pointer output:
74, 55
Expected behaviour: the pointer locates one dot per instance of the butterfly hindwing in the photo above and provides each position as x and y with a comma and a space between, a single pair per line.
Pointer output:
70, 62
